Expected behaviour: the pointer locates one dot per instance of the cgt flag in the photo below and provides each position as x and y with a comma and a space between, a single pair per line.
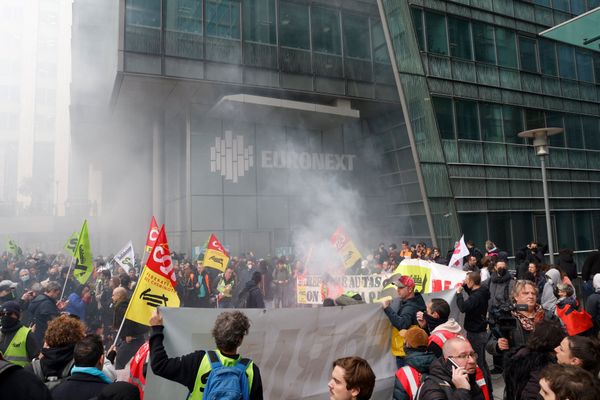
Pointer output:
71, 244
13, 247
126, 257
345, 247
156, 286
83, 256
152, 235
215, 256
460, 251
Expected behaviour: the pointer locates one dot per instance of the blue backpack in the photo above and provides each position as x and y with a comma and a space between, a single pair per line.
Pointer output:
226, 383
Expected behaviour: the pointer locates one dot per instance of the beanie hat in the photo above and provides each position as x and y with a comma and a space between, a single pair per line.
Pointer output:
596, 281
415, 337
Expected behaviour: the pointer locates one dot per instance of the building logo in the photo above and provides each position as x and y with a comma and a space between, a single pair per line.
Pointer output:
229, 157
232, 160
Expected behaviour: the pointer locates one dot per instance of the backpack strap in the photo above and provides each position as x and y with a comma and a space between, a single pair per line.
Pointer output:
242, 364
67, 370
215, 362
5, 366
37, 369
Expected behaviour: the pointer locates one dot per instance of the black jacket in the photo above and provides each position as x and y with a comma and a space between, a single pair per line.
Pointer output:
403, 314
475, 308
254, 295
522, 374
42, 309
592, 306
54, 360
18, 384
431, 390
567, 264
184, 369
130, 328
591, 266
79, 386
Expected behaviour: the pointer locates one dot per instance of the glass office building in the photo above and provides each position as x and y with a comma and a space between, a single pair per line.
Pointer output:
262, 96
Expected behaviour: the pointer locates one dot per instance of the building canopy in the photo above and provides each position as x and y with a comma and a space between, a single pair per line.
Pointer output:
581, 31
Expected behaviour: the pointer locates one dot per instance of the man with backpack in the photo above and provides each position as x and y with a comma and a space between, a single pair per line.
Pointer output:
210, 374
17, 342
18, 384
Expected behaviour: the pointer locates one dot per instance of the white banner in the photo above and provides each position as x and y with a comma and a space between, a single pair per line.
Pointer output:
126, 257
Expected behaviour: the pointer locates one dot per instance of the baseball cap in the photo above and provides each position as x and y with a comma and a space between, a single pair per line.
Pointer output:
6, 284
11, 307
405, 281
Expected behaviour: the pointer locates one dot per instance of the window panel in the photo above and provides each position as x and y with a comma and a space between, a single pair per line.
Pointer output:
143, 13
417, 17
566, 62
444, 115
437, 42
326, 30
562, 5
474, 227
259, 21
223, 18
483, 40
459, 35
507, 48
583, 231
184, 16
578, 6
564, 230
585, 68
528, 54
293, 25
356, 36
491, 121
591, 131
467, 124
573, 131
513, 123
555, 120
548, 57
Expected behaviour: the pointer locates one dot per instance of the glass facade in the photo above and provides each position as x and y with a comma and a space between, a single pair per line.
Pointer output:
472, 79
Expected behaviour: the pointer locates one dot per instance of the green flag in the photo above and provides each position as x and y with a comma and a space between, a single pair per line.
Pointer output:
83, 257
71, 244
13, 247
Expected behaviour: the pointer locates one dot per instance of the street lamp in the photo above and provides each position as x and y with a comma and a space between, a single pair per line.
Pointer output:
540, 145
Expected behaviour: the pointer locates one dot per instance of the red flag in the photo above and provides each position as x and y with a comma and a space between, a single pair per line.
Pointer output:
215, 255
159, 260
152, 235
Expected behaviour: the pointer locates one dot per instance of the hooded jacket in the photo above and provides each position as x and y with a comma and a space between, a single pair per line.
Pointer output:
500, 288
548, 296
255, 297
403, 313
420, 361
42, 309
450, 326
431, 390
54, 360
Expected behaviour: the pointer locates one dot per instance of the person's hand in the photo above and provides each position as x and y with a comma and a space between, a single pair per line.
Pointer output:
27, 296
503, 344
61, 305
156, 318
421, 320
386, 303
459, 289
460, 378
197, 285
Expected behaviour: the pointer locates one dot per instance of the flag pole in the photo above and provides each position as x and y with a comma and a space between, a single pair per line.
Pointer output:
67, 278
119, 331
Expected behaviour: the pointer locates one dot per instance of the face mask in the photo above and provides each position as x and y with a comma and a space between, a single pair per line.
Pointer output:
24, 278
8, 322
502, 271
432, 322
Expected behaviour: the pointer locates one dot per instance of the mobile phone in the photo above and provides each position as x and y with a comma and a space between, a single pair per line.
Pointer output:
453, 363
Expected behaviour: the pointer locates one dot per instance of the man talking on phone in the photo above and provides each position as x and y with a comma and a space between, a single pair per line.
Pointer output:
455, 375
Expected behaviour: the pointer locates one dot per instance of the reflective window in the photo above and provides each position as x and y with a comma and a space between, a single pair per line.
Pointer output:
259, 21
459, 35
445, 116
417, 17
585, 68
223, 18
325, 24
513, 123
528, 54
542, 2
467, 124
578, 7
566, 62
483, 40
356, 36
474, 226
380, 50
293, 25
534, 119
437, 42
573, 131
184, 16
143, 13
555, 120
591, 131
491, 121
548, 57
506, 47
562, 5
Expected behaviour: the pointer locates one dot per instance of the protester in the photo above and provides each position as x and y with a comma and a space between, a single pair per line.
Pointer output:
475, 310
44, 308
402, 313
563, 382
455, 375
119, 391
225, 287
522, 370
535, 274
193, 370
7, 291
418, 359
549, 299
592, 304
18, 384
132, 334
445, 328
281, 278
579, 351
87, 379
138, 368
252, 295
17, 342
351, 379
76, 304
590, 268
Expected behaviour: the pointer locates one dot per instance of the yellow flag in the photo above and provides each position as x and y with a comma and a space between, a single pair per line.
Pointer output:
345, 247
215, 256
156, 286
83, 257
71, 244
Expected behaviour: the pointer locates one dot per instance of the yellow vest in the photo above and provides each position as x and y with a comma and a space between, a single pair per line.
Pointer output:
204, 371
16, 352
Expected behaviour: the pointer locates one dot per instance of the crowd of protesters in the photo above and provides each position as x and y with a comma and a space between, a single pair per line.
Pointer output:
537, 322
